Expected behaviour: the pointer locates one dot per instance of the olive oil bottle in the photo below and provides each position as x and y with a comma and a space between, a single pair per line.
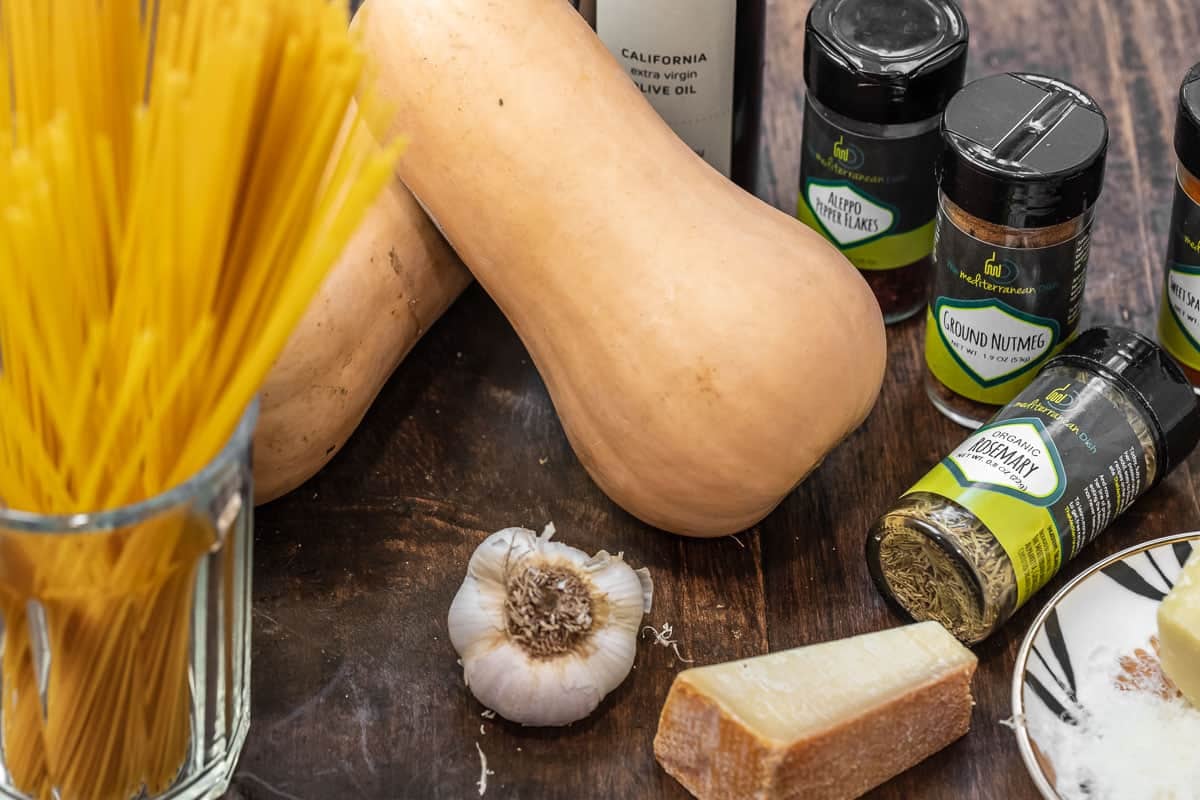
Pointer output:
700, 64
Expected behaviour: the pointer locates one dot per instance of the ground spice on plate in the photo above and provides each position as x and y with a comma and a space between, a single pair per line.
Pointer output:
1131, 740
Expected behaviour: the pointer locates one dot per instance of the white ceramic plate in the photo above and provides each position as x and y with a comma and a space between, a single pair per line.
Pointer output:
1109, 608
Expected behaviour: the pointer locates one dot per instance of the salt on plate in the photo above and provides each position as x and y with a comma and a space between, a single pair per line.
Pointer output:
1130, 742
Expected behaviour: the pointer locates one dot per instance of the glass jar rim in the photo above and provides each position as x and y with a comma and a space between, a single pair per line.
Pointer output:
103, 521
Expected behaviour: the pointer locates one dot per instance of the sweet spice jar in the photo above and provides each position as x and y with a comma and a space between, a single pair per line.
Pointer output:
1179, 316
1021, 170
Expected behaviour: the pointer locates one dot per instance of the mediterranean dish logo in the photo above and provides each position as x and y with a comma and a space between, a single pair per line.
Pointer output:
1001, 271
848, 153
843, 159
1191, 244
997, 274
1055, 406
1062, 397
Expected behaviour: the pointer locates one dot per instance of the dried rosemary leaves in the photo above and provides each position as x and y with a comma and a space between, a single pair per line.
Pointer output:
940, 562
994, 521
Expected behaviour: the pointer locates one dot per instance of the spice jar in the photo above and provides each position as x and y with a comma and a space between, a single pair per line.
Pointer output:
991, 524
1179, 316
1021, 169
878, 76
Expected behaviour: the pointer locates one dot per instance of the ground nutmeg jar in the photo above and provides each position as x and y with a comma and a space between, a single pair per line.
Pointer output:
879, 76
994, 521
1020, 173
1179, 317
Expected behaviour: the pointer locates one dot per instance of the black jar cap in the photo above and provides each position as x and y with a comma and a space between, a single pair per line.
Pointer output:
1143, 370
885, 63
1023, 151
1187, 129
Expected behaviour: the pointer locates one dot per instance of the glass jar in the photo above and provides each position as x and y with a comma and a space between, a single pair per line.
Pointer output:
994, 521
1179, 315
126, 642
1021, 170
878, 77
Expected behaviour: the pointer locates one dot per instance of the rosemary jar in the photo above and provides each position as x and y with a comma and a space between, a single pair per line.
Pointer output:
1021, 170
1179, 316
878, 77
1104, 421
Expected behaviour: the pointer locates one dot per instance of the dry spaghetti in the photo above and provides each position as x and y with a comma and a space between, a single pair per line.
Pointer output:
175, 182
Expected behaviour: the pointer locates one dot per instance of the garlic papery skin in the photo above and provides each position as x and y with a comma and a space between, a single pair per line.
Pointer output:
544, 630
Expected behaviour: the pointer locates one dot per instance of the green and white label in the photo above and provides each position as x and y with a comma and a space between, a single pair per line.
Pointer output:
993, 341
873, 197
848, 215
996, 314
1183, 295
1049, 473
1016, 457
1179, 319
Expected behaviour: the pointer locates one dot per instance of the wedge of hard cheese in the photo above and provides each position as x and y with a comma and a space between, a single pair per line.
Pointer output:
820, 722
1179, 632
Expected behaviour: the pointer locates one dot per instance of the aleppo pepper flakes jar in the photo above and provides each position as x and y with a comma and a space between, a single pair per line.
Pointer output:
1021, 171
879, 76
1179, 316
993, 522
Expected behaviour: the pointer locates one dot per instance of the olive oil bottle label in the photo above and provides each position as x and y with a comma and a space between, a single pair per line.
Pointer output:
1012, 474
681, 55
996, 314
874, 198
1179, 318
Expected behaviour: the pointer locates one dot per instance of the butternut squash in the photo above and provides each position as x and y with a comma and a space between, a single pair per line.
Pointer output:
396, 278
703, 350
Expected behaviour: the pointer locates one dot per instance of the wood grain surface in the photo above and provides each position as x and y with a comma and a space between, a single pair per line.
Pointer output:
357, 693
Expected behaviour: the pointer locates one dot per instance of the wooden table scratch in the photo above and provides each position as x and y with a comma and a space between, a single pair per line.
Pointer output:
357, 692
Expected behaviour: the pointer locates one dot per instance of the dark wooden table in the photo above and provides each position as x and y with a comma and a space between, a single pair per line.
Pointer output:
357, 692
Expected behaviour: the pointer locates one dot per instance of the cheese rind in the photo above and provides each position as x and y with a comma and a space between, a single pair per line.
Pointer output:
823, 722
1179, 632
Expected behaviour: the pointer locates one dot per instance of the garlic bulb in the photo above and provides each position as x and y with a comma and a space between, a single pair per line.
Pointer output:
544, 630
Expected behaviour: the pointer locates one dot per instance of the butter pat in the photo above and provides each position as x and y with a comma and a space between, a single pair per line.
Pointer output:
823, 722
1179, 632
